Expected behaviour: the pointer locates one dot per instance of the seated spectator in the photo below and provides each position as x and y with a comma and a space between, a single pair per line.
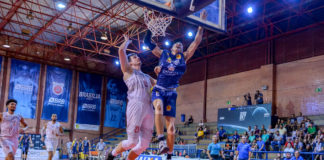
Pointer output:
258, 97
311, 130
190, 121
256, 130
288, 149
203, 155
178, 132
289, 141
206, 132
274, 130
249, 130
236, 137
265, 138
308, 122
263, 129
300, 118
252, 137
292, 118
261, 147
222, 133
288, 156
276, 141
282, 130
200, 134
307, 149
318, 146
248, 100
297, 156
201, 123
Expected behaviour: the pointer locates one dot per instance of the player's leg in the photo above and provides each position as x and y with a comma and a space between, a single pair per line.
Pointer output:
157, 97
170, 114
50, 155
170, 134
145, 136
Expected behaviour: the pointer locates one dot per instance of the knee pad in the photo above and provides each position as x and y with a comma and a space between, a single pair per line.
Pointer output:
158, 109
129, 143
141, 146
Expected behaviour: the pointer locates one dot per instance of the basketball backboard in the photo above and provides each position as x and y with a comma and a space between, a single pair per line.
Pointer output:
216, 19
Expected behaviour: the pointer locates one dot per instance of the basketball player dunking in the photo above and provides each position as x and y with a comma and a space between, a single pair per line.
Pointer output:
140, 115
10, 129
164, 95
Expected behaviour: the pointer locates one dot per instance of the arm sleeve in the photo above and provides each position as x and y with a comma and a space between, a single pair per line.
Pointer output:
209, 147
148, 41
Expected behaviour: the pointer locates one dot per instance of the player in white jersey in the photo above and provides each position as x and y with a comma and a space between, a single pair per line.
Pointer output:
10, 129
140, 115
52, 130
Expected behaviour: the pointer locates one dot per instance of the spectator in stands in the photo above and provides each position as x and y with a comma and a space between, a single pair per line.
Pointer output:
203, 155
318, 146
222, 133
289, 148
288, 156
243, 151
261, 147
256, 130
258, 97
276, 141
215, 151
200, 134
236, 137
265, 138
248, 100
190, 121
249, 130
303, 128
263, 129
297, 156
300, 118
311, 129
292, 118
206, 132
201, 123
307, 149
101, 148
289, 141
282, 130
251, 137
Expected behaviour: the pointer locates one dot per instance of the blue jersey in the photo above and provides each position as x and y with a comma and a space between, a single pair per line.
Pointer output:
172, 69
86, 144
214, 149
243, 149
25, 141
80, 146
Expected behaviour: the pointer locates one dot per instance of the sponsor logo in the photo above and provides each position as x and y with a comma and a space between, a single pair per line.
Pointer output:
24, 88
168, 108
89, 107
242, 116
57, 88
169, 60
178, 56
89, 95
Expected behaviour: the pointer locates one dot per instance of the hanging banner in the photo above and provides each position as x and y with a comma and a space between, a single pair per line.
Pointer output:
115, 114
57, 93
24, 77
89, 100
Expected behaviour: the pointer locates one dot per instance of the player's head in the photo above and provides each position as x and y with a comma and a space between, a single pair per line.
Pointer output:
101, 140
215, 138
177, 47
54, 117
134, 59
85, 138
244, 139
11, 104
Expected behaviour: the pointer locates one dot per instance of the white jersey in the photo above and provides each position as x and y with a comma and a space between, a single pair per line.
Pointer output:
10, 125
52, 130
139, 86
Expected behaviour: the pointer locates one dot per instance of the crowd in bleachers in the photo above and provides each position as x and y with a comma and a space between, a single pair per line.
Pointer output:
287, 135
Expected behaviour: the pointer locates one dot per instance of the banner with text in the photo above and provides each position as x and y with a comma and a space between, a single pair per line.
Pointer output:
116, 99
23, 87
57, 93
239, 118
89, 100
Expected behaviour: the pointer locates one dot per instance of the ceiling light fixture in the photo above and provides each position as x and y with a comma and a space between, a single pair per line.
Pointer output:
104, 36
6, 45
30, 15
69, 28
67, 59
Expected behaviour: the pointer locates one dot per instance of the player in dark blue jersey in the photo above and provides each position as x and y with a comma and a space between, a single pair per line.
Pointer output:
74, 148
25, 141
86, 147
172, 65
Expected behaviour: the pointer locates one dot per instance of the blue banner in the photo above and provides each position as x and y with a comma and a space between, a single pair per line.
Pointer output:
239, 118
57, 93
89, 100
116, 99
24, 77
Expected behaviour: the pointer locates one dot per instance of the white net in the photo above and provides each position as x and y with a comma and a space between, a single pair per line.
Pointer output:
156, 22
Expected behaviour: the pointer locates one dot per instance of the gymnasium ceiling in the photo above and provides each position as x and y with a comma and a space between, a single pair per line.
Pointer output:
75, 31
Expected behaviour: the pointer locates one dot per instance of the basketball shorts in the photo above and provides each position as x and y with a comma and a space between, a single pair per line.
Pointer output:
9, 144
168, 98
51, 144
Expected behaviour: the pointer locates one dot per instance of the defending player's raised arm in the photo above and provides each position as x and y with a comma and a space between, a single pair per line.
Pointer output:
194, 45
148, 41
61, 129
125, 67
153, 81
24, 124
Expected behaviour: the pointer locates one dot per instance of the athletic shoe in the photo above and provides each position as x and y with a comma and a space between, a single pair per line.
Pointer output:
169, 157
163, 148
110, 157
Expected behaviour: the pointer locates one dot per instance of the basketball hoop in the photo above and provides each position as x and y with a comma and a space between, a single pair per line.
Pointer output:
156, 22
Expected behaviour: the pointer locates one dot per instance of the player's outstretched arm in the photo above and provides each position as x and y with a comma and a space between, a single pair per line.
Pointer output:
24, 124
61, 129
148, 41
125, 67
194, 45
